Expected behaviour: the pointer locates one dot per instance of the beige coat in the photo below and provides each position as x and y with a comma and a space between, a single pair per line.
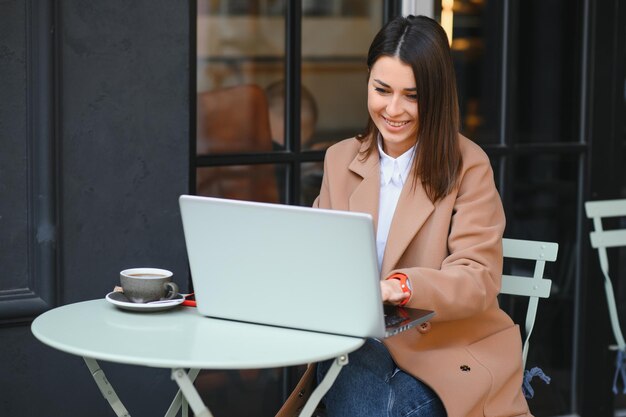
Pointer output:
470, 353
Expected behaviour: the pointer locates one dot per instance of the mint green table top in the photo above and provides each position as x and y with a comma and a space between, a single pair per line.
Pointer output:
181, 338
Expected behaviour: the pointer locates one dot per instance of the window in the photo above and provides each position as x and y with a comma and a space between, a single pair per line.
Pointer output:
277, 82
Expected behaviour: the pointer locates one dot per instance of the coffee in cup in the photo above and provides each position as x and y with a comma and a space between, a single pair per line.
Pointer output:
142, 285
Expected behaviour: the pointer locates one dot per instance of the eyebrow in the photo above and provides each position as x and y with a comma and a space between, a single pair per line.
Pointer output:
388, 86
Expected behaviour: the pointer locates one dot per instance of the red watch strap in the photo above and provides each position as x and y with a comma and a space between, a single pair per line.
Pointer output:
403, 284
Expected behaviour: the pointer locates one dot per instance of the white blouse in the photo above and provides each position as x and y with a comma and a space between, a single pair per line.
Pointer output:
393, 175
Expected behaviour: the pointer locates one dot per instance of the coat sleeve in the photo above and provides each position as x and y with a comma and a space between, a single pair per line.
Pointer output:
469, 279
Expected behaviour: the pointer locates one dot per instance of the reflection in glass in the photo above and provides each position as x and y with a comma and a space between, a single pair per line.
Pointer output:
241, 43
312, 173
263, 183
544, 196
475, 53
335, 40
547, 107
275, 93
240, 51
233, 120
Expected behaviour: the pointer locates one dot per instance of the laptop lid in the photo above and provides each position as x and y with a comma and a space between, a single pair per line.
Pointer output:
281, 265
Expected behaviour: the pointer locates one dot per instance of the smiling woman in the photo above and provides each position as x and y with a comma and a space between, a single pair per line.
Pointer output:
414, 63
439, 223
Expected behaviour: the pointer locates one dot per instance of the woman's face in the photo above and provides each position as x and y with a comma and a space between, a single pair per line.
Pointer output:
392, 104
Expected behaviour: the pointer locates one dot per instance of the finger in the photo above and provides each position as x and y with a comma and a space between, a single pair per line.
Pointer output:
400, 297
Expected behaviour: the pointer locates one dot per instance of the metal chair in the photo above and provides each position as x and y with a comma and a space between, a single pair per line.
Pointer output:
601, 240
534, 287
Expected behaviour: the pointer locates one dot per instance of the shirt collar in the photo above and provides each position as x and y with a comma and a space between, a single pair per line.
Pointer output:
387, 164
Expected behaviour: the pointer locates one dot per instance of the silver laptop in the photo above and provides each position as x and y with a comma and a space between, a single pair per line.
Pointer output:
288, 266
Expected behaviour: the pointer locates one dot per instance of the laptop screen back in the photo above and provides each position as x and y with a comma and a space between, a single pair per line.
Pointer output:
282, 265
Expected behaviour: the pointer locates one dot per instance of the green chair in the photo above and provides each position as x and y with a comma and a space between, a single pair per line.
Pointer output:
601, 240
534, 287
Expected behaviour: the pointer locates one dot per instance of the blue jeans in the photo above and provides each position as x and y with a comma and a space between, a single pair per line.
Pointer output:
372, 385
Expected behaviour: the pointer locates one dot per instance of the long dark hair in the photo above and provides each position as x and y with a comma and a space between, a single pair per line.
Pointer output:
422, 43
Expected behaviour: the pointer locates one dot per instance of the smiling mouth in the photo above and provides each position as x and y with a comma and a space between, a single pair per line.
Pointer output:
394, 124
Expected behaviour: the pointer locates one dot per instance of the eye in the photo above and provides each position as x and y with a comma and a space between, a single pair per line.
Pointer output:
412, 97
380, 90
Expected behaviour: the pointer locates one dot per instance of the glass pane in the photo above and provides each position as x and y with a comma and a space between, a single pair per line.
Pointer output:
240, 50
263, 183
620, 400
312, 173
476, 44
496, 165
335, 40
245, 393
622, 174
548, 71
544, 195
618, 274
620, 271
275, 93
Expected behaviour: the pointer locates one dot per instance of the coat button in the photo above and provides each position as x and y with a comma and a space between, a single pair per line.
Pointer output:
424, 327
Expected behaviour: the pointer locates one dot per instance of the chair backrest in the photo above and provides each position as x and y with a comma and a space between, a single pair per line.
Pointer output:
534, 287
601, 240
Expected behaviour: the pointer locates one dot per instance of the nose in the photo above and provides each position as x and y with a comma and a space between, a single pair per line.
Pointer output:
394, 107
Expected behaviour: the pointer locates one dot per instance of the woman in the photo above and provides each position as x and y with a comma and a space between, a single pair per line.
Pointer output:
439, 224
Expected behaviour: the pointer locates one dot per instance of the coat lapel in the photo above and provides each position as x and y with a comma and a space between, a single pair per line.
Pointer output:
365, 196
413, 209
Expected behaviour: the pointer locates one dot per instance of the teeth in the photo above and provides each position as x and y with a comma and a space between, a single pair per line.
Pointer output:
395, 124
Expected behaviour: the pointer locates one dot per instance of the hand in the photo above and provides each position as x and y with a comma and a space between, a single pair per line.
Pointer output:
392, 292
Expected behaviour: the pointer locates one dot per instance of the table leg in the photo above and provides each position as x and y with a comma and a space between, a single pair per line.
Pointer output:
189, 391
185, 406
106, 388
324, 386
179, 400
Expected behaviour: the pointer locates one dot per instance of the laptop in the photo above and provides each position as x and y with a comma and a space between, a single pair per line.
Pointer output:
288, 266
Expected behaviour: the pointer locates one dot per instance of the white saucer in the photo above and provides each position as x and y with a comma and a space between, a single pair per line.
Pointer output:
119, 300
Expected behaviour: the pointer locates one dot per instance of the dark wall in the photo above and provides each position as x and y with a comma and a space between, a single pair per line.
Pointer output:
13, 147
94, 152
125, 139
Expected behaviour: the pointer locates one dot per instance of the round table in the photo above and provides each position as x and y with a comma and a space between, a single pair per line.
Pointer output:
180, 338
